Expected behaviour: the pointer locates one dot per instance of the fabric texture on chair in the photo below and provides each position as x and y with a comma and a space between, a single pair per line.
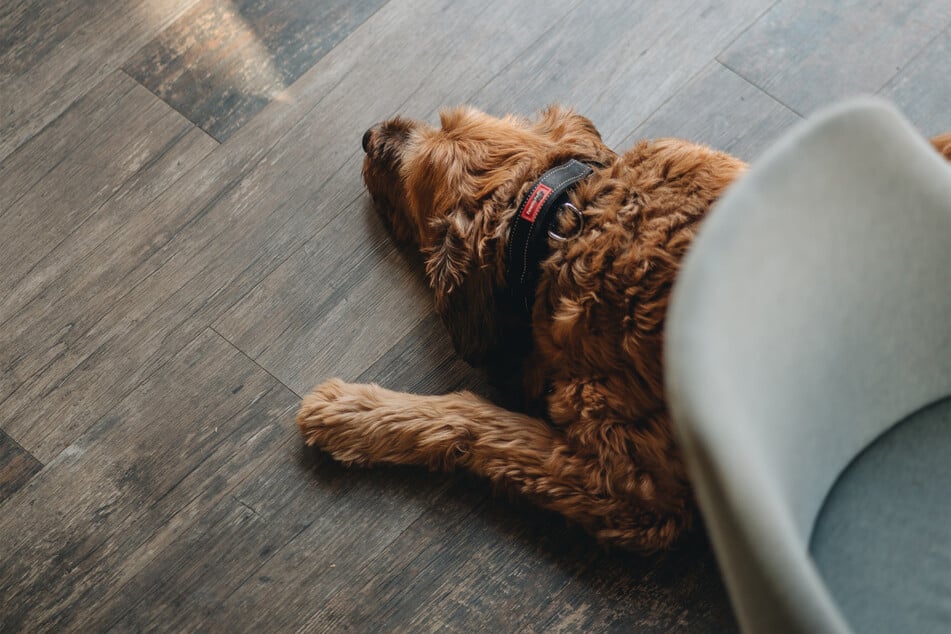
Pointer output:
882, 541
812, 313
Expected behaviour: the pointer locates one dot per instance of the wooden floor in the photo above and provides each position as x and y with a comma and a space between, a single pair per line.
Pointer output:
186, 248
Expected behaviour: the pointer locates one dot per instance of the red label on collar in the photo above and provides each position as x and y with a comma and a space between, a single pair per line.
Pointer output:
536, 202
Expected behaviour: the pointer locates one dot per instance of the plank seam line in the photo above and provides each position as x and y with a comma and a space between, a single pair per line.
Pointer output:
911, 60
755, 87
745, 29
736, 72
253, 361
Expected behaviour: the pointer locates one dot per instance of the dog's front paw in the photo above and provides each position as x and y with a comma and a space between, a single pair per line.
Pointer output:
330, 418
319, 411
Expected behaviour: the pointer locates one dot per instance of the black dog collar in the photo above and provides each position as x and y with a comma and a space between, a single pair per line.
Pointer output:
528, 243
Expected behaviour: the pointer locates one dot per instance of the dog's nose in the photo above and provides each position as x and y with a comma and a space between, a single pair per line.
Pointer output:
366, 140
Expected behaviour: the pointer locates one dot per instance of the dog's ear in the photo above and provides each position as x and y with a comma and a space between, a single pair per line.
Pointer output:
449, 257
464, 293
454, 118
574, 134
561, 121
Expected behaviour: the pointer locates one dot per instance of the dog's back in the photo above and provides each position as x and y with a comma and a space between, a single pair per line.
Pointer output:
942, 143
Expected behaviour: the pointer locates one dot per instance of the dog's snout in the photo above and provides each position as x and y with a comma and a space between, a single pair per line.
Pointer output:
367, 136
384, 142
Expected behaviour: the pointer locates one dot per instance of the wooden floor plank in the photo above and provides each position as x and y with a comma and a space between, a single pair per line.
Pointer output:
67, 226
61, 138
31, 30
140, 132
723, 110
187, 433
342, 517
617, 62
221, 62
919, 94
680, 591
17, 466
807, 54
51, 53
425, 362
329, 555
68, 363
435, 577
394, 586
313, 332
99, 230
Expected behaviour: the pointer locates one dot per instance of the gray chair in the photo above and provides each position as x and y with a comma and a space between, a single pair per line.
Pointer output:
809, 373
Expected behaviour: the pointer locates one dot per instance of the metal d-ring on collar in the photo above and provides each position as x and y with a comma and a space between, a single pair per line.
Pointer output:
560, 238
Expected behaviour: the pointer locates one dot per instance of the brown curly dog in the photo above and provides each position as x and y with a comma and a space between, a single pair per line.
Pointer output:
595, 443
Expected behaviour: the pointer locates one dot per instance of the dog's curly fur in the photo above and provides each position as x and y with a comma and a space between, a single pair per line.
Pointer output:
599, 447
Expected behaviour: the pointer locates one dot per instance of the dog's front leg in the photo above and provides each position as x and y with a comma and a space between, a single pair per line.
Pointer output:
366, 424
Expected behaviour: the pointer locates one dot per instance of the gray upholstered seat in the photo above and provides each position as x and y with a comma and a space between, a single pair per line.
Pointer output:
882, 541
812, 315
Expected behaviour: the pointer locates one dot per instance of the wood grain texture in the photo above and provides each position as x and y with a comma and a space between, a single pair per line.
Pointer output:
473, 559
921, 89
341, 270
677, 592
64, 229
52, 53
17, 466
136, 482
222, 61
808, 54
721, 109
617, 62
119, 153
341, 518
428, 579
425, 362
61, 138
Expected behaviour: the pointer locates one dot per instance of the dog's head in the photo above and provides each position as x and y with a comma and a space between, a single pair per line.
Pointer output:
452, 191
